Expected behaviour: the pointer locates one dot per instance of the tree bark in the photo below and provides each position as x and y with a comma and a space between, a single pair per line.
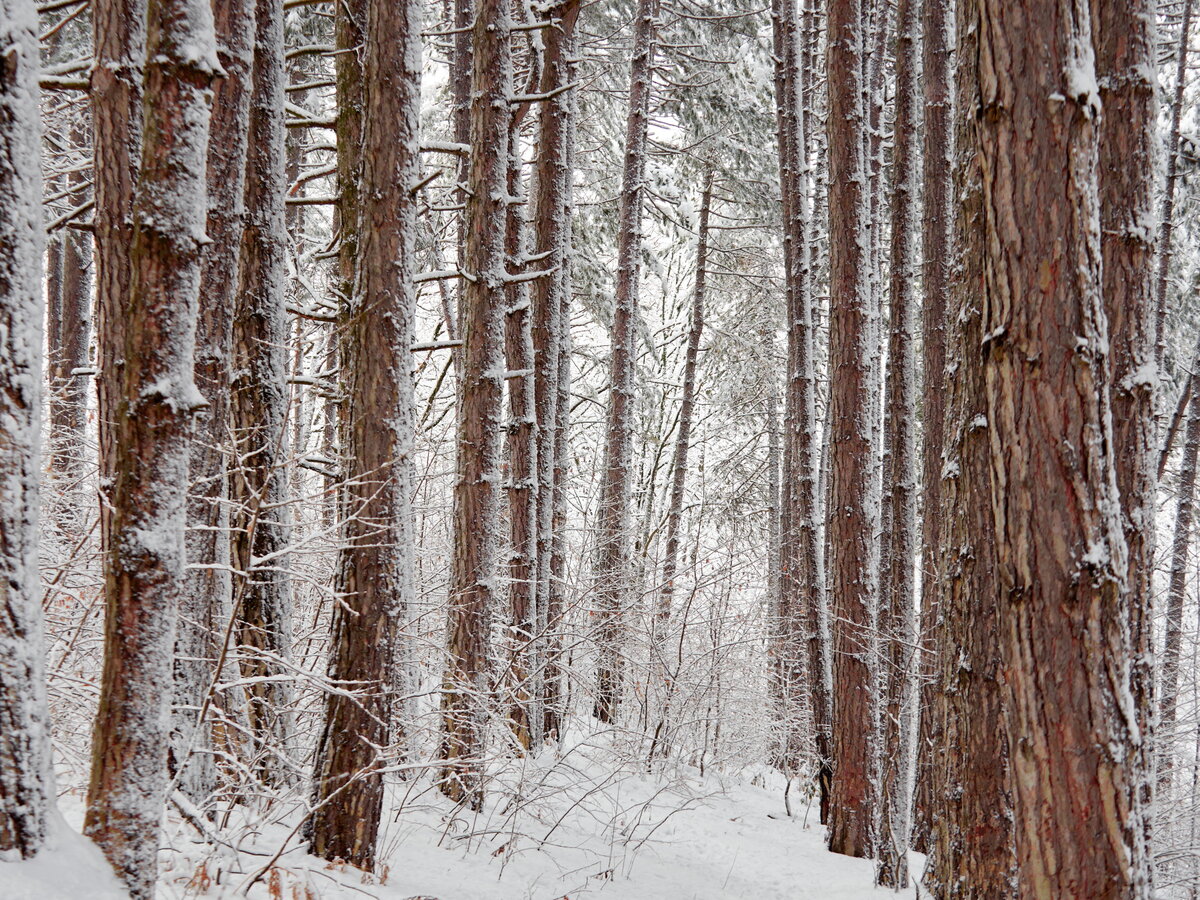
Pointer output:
26, 776
849, 517
1061, 555
937, 177
971, 840
375, 565
1125, 41
474, 579
144, 561
899, 541
206, 604
612, 568
261, 518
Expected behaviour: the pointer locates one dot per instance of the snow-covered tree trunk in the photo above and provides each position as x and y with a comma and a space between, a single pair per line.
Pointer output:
474, 581
144, 561
259, 405
1166, 215
899, 542
375, 565
849, 519
525, 716
970, 852
612, 569
1061, 554
1125, 39
936, 193
206, 603
551, 200
26, 781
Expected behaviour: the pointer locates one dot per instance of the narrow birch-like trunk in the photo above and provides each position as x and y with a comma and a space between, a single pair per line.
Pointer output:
26, 779
898, 564
144, 561
258, 482
849, 518
206, 604
970, 810
474, 579
612, 567
552, 245
1061, 554
1166, 215
936, 194
374, 579
1125, 39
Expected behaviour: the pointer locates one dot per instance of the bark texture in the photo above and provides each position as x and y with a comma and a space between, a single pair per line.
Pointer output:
1061, 556
849, 517
144, 560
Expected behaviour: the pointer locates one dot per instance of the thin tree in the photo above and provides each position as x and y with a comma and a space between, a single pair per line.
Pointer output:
937, 185
849, 516
26, 781
144, 560
1061, 555
375, 575
550, 297
259, 407
474, 581
612, 570
898, 564
205, 607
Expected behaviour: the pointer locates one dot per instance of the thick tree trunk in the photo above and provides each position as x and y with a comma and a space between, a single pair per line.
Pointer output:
1166, 216
259, 406
850, 516
206, 604
898, 569
144, 561
1061, 555
971, 841
552, 198
26, 779
1125, 39
937, 178
375, 566
474, 579
612, 569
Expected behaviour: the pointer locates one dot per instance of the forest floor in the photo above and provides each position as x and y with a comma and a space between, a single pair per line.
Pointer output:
564, 826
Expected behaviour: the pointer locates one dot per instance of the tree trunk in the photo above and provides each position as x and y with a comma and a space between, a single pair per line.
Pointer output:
899, 541
205, 607
1125, 39
849, 517
258, 480
26, 777
612, 570
1166, 216
937, 177
1181, 545
971, 840
474, 579
144, 561
375, 565
552, 198
1060, 552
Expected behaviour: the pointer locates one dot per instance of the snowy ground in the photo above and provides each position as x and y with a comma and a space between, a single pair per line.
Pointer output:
565, 826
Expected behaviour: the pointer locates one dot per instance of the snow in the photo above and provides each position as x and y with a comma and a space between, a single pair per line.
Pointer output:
70, 868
